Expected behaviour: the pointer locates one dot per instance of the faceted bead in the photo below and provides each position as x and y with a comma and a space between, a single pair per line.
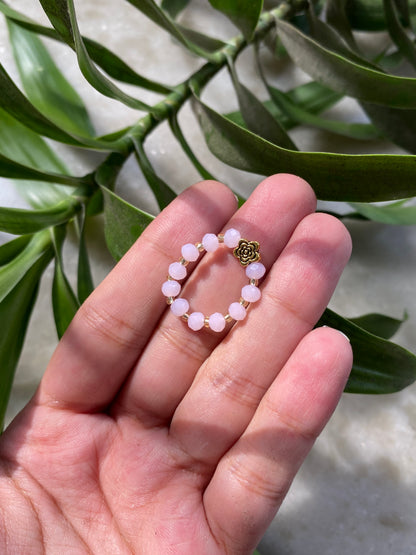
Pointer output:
232, 237
210, 242
190, 252
177, 270
237, 311
255, 270
179, 307
171, 288
196, 321
216, 321
250, 293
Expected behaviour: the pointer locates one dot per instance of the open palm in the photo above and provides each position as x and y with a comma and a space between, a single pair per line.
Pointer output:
147, 437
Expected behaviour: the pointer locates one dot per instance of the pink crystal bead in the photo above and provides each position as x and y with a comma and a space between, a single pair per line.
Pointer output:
231, 238
177, 270
216, 321
171, 288
179, 307
190, 252
196, 321
255, 270
250, 293
237, 311
210, 242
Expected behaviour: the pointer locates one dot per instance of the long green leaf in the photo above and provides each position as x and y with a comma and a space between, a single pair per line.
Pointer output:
355, 178
336, 16
14, 170
177, 132
61, 14
19, 221
163, 193
15, 309
85, 284
123, 223
161, 18
12, 272
395, 214
257, 117
13, 101
12, 248
174, 7
243, 13
398, 33
26, 147
64, 301
343, 75
45, 86
361, 131
379, 366
107, 60
379, 324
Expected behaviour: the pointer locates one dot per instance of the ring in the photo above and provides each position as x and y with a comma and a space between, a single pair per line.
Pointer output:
247, 252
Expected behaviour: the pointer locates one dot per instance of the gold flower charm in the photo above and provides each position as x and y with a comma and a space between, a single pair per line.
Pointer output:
247, 252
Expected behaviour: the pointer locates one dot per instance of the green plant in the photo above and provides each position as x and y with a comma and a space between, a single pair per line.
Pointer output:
254, 138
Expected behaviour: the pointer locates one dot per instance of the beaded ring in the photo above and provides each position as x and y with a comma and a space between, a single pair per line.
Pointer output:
247, 253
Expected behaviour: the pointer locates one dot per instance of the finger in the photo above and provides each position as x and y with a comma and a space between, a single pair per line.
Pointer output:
234, 379
112, 327
252, 479
173, 356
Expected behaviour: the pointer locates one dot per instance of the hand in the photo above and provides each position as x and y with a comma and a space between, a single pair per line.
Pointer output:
146, 437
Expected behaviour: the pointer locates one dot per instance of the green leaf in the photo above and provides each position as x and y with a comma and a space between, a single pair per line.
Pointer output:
12, 248
163, 193
64, 301
346, 76
85, 285
177, 132
45, 86
354, 178
398, 33
336, 16
158, 16
379, 366
19, 221
123, 223
360, 131
243, 13
12, 272
61, 14
15, 310
13, 101
174, 7
14, 170
107, 60
397, 213
379, 324
257, 117
399, 126
369, 15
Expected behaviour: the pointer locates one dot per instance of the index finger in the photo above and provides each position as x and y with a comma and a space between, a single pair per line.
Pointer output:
112, 327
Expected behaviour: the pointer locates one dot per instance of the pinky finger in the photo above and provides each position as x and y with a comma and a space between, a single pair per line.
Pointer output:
254, 476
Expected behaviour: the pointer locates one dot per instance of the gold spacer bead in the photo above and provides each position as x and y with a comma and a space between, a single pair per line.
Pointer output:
185, 316
254, 281
184, 262
200, 247
170, 300
206, 322
228, 318
243, 302
220, 237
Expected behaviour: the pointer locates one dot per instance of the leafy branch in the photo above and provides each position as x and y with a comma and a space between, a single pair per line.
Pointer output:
254, 138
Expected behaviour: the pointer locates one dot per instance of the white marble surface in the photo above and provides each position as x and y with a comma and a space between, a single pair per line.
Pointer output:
356, 493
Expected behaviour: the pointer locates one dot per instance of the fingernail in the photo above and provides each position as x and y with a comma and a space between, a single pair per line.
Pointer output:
339, 331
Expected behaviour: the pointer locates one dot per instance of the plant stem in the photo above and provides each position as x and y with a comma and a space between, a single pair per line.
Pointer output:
180, 94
